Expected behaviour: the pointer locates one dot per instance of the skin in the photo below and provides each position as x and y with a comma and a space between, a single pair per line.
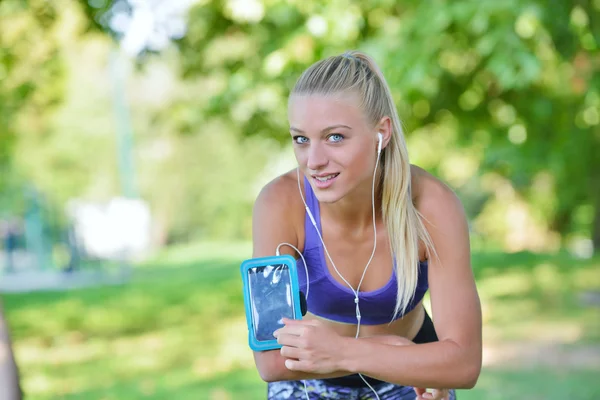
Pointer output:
316, 348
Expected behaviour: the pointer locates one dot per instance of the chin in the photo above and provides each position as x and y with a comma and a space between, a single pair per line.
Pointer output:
327, 198
332, 194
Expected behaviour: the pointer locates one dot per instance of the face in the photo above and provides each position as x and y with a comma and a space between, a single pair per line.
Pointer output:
335, 146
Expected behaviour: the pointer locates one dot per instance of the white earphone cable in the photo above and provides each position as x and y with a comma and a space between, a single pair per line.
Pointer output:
356, 292
303, 260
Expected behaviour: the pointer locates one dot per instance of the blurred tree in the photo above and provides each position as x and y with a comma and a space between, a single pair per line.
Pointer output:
490, 91
516, 80
520, 82
31, 79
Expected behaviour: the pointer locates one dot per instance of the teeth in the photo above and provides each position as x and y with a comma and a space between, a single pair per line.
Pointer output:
325, 178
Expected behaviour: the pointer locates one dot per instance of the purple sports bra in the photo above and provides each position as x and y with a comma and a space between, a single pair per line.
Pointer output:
333, 300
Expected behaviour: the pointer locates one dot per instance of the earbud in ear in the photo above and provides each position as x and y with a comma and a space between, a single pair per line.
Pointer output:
380, 141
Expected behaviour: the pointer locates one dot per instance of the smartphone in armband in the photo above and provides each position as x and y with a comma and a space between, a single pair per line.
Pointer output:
271, 293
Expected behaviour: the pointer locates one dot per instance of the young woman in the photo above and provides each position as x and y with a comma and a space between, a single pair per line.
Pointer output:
376, 233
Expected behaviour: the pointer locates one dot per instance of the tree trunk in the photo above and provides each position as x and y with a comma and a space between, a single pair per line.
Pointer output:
561, 221
9, 377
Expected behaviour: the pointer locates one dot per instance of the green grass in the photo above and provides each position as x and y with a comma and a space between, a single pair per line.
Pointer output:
539, 384
177, 330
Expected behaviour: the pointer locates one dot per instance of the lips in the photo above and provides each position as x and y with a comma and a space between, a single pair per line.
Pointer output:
325, 178
323, 181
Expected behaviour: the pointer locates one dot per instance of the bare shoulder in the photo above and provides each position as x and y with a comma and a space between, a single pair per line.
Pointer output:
444, 218
278, 215
435, 200
281, 193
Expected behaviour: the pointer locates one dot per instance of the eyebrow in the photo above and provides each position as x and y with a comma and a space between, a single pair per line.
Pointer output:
324, 130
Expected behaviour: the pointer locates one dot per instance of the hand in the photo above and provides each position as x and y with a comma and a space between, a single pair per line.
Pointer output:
436, 394
310, 346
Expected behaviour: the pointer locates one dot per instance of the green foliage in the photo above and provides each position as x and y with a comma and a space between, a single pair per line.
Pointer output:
205, 186
510, 85
31, 77
497, 98
516, 77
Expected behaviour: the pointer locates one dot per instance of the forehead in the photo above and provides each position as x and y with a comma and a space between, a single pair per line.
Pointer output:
315, 112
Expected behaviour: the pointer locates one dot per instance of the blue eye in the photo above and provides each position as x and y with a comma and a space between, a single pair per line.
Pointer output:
300, 139
336, 137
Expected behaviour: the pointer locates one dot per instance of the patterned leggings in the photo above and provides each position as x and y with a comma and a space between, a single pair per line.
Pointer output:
318, 389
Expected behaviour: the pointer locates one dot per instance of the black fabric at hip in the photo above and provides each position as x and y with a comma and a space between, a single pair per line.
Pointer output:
425, 335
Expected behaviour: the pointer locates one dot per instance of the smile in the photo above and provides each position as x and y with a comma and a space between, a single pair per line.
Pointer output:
325, 178
324, 181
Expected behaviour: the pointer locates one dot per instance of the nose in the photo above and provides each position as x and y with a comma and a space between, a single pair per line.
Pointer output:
317, 157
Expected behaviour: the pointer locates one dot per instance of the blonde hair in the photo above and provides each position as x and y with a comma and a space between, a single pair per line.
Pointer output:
357, 73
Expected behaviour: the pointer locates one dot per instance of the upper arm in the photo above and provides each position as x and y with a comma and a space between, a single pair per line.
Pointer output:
274, 218
454, 300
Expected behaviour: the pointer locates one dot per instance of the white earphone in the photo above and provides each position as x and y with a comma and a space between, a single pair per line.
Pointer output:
380, 143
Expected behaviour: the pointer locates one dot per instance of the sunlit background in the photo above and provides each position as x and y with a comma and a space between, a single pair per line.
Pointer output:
136, 134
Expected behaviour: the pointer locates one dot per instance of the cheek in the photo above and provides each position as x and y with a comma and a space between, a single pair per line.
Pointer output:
301, 157
358, 162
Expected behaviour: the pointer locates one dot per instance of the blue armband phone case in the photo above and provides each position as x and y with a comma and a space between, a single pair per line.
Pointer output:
271, 292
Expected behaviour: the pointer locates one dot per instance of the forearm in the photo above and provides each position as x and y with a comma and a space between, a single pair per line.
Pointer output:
271, 364
442, 364
271, 367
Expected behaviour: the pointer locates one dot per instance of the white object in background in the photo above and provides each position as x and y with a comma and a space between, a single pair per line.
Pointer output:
120, 229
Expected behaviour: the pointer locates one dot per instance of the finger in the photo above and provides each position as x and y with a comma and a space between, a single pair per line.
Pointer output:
291, 352
296, 330
290, 340
432, 395
436, 394
296, 365
420, 391
440, 394
299, 322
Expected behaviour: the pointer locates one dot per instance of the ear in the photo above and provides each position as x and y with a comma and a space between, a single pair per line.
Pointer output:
385, 127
